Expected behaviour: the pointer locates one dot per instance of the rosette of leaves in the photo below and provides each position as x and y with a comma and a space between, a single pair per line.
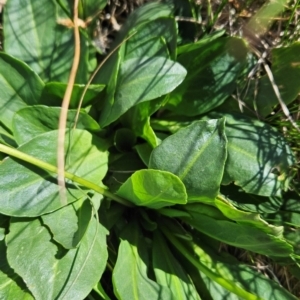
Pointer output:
155, 180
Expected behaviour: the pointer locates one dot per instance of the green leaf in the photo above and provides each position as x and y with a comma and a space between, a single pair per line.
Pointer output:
138, 119
121, 167
20, 86
196, 154
263, 19
250, 202
173, 213
232, 270
6, 137
30, 191
154, 189
144, 151
185, 48
155, 46
63, 56
286, 72
190, 251
108, 75
169, 272
30, 33
176, 228
37, 39
240, 235
69, 224
289, 212
110, 215
54, 92
139, 80
259, 158
247, 218
154, 38
70, 274
32, 121
12, 286
100, 291
88, 8
146, 15
124, 139
146, 222
130, 279
213, 69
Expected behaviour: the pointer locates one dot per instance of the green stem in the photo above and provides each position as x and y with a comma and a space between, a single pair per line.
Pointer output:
192, 257
53, 169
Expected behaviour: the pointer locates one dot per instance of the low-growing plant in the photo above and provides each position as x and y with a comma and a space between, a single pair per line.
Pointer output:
161, 168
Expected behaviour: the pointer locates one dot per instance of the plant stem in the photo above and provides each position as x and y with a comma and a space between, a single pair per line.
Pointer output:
53, 169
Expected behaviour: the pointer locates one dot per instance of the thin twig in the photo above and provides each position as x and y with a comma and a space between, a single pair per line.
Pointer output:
278, 96
64, 110
93, 76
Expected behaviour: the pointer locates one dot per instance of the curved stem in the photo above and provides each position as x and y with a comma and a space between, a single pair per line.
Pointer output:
64, 109
53, 169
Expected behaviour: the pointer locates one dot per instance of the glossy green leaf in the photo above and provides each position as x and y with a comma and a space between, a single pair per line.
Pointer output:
20, 87
259, 158
70, 274
196, 154
213, 70
54, 92
30, 191
130, 279
69, 224
154, 189
240, 235
33, 35
32, 121
139, 80
11, 285
169, 272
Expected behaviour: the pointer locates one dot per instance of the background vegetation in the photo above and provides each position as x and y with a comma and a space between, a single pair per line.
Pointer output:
149, 150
